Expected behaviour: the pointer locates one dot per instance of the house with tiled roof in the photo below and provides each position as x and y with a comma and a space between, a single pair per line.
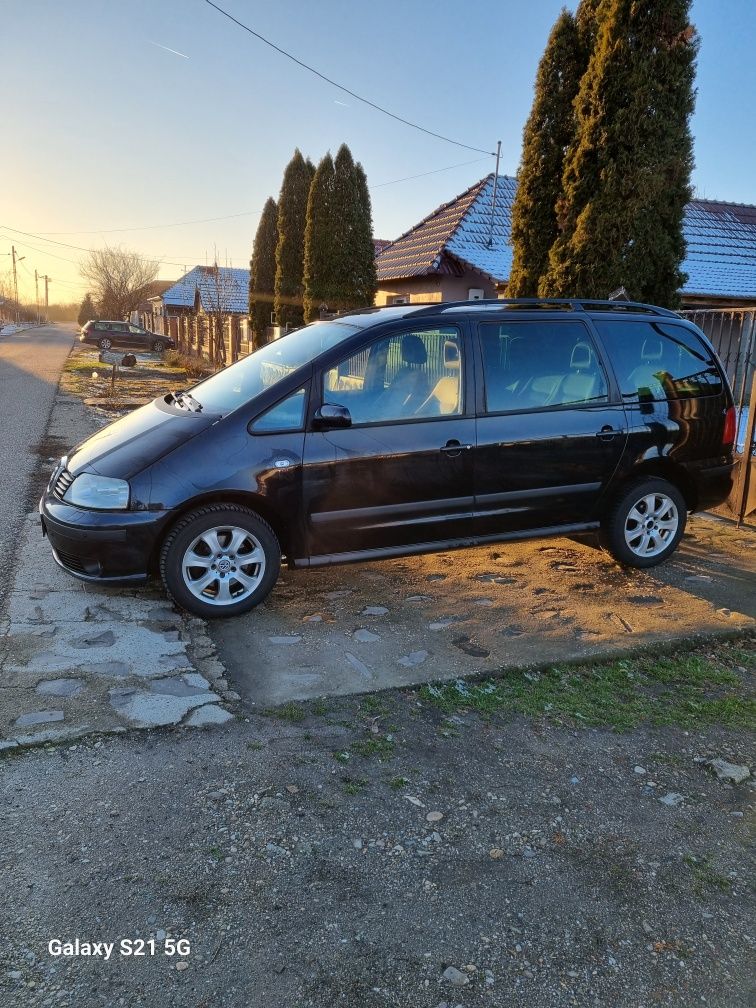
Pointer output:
462, 251
205, 311
210, 289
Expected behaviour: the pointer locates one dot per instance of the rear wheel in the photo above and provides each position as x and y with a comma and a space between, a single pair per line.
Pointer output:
158, 346
646, 523
105, 343
220, 560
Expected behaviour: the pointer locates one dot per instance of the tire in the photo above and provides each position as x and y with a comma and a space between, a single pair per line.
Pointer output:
236, 555
646, 523
105, 343
158, 346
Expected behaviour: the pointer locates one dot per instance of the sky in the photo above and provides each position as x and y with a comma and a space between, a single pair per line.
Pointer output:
105, 129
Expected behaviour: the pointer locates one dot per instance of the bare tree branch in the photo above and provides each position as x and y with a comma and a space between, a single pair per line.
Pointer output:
120, 279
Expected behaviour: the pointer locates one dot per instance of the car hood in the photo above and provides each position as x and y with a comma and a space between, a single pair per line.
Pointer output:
125, 447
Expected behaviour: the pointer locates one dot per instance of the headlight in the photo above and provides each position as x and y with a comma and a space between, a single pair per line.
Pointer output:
100, 492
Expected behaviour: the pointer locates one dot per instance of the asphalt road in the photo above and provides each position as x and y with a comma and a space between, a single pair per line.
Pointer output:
30, 366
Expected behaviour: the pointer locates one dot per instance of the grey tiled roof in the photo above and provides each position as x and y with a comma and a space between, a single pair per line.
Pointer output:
720, 259
220, 289
721, 254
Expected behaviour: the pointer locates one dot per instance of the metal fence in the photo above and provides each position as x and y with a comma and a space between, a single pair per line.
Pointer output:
732, 332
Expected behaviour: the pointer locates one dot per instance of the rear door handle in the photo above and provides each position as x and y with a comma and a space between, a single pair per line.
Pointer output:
607, 433
455, 447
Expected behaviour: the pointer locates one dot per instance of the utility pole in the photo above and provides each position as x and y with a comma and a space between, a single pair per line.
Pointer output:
16, 258
47, 280
36, 293
495, 187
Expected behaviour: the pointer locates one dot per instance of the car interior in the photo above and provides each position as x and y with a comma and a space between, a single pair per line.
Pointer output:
531, 370
400, 378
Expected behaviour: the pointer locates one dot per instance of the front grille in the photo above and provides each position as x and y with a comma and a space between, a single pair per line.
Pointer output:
62, 483
73, 563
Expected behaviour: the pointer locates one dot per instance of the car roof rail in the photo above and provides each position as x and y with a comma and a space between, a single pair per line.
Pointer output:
544, 304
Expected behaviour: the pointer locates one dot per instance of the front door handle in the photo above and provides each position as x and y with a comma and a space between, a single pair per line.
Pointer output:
454, 447
607, 433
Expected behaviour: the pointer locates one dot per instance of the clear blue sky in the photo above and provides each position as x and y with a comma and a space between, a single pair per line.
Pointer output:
103, 129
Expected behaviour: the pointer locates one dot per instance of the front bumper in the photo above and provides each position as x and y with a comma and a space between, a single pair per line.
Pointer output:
106, 547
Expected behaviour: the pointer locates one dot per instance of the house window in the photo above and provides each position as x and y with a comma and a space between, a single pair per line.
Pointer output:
399, 299
475, 294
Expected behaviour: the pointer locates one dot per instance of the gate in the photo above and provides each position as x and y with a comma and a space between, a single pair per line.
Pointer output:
732, 332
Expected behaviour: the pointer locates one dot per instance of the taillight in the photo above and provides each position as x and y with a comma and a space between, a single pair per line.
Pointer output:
728, 434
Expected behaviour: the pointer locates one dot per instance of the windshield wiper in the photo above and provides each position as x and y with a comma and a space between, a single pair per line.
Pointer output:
186, 398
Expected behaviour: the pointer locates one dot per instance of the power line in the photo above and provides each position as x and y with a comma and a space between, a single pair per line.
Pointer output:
156, 227
346, 90
435, 171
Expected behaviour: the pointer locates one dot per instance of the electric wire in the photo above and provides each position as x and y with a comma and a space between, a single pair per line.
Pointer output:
341, 87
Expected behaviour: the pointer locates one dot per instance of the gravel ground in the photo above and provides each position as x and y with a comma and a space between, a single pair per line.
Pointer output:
376, 852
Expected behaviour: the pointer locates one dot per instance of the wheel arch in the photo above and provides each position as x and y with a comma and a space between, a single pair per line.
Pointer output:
255, 502
663, 468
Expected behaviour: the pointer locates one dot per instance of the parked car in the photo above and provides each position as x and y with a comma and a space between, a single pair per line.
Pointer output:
404, 430
105, 335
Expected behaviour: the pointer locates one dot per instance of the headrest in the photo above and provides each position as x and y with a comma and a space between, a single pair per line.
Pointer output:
582, 356
451, 355
413, 350
652, 350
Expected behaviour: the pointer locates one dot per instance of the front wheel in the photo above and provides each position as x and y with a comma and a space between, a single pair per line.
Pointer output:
220, 560
158, 346
646, 523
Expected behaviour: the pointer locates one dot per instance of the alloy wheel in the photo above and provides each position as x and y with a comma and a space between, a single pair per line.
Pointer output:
223, 565
651, 524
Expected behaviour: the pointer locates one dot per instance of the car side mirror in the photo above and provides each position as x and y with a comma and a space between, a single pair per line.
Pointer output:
331, 417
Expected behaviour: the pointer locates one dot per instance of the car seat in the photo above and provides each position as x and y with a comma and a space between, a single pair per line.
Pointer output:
582, 383
409, 386
444, 397
644, 378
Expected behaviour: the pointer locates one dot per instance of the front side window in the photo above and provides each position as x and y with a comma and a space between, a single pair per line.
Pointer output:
236, 385
405, 376
136, 329
534, 365
287, 415
659, 360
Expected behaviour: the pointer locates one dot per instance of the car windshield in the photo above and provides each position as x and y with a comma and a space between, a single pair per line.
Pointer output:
237, 384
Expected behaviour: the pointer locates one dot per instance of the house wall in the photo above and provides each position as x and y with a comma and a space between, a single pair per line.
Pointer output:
437, 287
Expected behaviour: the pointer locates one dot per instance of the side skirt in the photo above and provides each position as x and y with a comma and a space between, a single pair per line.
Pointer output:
363, 556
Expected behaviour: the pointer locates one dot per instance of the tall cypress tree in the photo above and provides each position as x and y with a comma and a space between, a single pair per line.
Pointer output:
262, 273
547, 135
364, 276
321, 241
626, 178
292, 216
355, 256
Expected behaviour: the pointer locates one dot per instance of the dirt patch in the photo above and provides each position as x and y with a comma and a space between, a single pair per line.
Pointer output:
84, 376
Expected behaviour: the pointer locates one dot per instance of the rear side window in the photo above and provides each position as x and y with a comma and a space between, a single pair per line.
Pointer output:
659, 360
538, 364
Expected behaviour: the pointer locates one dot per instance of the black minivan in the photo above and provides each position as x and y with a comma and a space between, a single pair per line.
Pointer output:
401, 430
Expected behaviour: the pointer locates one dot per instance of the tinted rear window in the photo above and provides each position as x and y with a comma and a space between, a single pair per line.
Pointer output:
659, 360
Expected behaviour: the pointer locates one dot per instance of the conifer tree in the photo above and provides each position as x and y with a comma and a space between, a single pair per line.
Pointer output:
547, 135
626, 178
355, 254
321, 242
87, 310
262, 273
292, 216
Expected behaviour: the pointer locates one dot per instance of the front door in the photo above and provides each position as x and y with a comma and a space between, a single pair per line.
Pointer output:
400, 477
550, 431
